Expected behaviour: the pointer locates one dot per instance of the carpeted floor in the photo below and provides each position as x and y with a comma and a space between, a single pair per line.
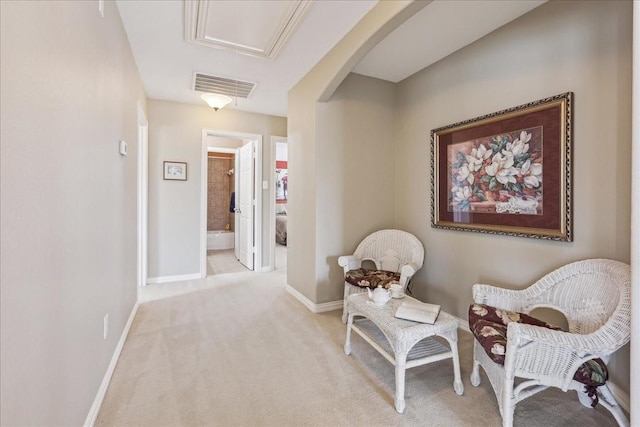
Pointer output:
243, 352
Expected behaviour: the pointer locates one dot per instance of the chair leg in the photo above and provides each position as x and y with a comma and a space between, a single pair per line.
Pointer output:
608, 401
508, 402
344, 303
344, 312
584, 399
475, 373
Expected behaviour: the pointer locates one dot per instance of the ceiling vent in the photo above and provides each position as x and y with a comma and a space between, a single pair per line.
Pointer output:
221, 85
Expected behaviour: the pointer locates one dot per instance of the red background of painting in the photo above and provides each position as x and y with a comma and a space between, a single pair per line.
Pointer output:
550, 121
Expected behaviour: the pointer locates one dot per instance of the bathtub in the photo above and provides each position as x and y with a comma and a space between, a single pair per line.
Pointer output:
220, 239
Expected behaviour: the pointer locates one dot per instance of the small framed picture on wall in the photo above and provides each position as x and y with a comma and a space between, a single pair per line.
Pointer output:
175, 171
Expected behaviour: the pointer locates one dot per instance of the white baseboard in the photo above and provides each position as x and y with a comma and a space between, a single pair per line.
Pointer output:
313, 307
180, 278
102, 391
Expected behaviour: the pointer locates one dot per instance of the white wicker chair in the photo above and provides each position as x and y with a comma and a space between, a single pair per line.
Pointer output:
390, 250
594, 295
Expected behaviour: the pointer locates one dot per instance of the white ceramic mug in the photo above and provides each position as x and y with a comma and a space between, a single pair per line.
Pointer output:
396, 290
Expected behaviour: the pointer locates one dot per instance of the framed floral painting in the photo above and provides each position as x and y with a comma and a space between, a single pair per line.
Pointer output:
506, 173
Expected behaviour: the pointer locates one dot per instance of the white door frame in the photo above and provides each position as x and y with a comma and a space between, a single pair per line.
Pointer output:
143, 196
272, 200
257, 226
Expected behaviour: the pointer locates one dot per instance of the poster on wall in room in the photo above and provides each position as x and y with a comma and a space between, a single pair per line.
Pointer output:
175, 171
506, 173
282, 182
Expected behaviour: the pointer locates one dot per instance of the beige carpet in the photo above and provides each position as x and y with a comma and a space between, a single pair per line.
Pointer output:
244, 352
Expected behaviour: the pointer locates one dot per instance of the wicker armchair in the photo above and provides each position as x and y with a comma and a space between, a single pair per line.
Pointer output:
397, 256
594, 295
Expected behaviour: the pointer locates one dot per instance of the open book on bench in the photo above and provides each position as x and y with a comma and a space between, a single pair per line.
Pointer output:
417, 311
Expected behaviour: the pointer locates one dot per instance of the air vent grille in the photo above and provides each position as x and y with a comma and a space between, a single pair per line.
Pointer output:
221, 85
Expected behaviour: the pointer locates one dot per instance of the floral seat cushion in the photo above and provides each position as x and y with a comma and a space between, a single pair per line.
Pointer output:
489, 326
371, 278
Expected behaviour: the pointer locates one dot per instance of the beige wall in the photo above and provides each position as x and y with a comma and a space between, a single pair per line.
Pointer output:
356, 158
584, 47
69, 89
175, 133
308, 260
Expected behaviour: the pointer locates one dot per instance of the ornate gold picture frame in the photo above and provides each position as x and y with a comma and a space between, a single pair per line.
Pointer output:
506, 173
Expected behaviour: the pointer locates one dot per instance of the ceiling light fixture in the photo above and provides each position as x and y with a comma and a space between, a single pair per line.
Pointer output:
215, 100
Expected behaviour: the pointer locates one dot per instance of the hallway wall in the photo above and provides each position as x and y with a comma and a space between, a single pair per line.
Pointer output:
583, 47
69, 94
175, 133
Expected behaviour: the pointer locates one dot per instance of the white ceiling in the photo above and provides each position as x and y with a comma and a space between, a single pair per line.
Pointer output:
169, 49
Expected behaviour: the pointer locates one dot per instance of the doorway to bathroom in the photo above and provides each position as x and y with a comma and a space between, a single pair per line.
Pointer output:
221, 206
230, 208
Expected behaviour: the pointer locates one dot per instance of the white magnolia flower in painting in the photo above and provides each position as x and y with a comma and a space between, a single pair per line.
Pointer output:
531, 174
498, 349
479, 310
461, 194
502, 169
464, 174
477, 157
519, 145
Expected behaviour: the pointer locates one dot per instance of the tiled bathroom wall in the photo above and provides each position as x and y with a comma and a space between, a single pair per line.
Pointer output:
220, 185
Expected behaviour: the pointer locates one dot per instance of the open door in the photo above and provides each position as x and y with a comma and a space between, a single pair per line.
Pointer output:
248, 228
244, 204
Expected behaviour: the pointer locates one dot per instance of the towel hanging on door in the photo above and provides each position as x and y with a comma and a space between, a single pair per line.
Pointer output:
232, 204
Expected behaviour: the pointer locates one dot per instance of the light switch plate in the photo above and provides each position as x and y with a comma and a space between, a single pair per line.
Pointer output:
265, 185
123, 148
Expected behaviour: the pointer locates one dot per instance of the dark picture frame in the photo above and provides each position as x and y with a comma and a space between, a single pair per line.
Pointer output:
506, 173
175, 171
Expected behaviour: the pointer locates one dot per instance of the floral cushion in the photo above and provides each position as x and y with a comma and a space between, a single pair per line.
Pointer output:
489, 326
372, 278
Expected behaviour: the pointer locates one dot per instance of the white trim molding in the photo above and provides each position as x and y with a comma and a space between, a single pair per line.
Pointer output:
179, 278
197, 29
272, 199
102, 391
313, 307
